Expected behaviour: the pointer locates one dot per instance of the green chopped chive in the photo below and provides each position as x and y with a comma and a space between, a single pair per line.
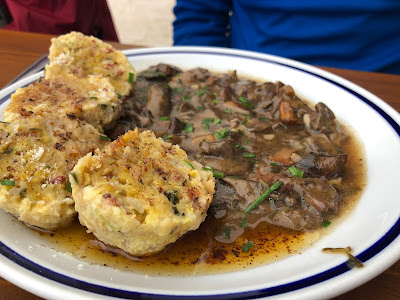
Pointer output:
185, 98
217, 121
240, 132
201, 107
199, 93
119, 96
104, 138
249, 155
205, 87
245, 120
326, 223
202, 142
263, 119
208, 168
264, 196
246, 102
164, 118
94, 97
246, 247
68, 187
296, 172
167, 137
189, 163
189, 127
228, 111
131, 77
228, 232
217, 174
243, 223
161, 76
239, 147
215, 101
274, 164
8, 182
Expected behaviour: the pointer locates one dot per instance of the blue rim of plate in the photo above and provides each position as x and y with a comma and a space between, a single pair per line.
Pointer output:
364, 256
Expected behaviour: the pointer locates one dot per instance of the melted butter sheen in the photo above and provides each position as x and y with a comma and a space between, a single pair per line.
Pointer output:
197, 253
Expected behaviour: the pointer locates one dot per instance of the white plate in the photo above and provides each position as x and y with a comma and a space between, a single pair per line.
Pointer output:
372, 230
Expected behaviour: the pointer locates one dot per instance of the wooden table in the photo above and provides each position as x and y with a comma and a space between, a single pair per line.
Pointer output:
19, 50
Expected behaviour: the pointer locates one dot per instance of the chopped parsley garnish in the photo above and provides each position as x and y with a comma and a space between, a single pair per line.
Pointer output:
228, 232
228, 111
119, 96
199, 93
176, 211
172, 197
240, 132
296, 172
264, 196
161, 76
207, 122
222, 134
274, 164
201, 107
189, 127
249, 155
189, 163
246, 247
8, 151
164, 118
245, 120
326, 223
104, 138
246, 102
263, 119
167, 137
243, 222
68, 187
8, 182
202, 142
131, 77
215, 101
239, 147
185, 98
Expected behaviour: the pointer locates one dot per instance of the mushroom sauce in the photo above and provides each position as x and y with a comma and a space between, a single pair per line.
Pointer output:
251, 136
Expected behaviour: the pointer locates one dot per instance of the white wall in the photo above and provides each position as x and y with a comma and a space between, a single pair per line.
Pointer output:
143, 22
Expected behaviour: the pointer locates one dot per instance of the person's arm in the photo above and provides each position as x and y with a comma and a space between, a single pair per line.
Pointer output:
202, 22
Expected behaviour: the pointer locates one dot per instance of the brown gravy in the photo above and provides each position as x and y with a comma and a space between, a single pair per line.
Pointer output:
199, 252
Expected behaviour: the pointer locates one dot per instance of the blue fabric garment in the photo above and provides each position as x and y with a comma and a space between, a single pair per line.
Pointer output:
357, 34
